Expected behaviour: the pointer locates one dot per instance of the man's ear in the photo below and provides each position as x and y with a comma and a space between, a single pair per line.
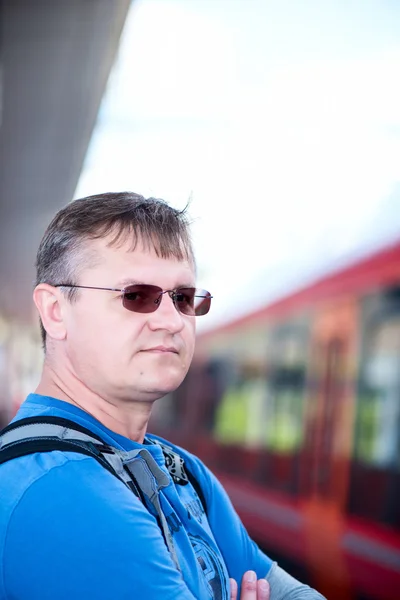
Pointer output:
48, 300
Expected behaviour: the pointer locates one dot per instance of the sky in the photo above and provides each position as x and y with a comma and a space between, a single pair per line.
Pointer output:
278, 119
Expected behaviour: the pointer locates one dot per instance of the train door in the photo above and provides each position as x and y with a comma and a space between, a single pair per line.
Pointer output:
325, 464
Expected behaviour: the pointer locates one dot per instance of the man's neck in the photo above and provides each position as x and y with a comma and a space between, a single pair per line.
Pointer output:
127, 418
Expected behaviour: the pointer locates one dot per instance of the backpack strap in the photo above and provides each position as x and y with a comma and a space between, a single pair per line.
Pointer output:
51, 433
46, 434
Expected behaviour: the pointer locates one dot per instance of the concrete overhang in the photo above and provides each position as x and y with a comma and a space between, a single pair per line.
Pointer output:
56, 56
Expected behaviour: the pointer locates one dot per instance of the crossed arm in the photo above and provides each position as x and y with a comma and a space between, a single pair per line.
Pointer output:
68, 537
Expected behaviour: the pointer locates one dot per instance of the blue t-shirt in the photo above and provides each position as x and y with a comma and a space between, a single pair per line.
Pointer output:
71, 529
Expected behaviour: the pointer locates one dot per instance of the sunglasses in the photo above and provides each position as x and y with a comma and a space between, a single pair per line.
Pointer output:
142, 298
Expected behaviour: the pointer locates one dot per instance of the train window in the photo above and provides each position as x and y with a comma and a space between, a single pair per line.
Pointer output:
284, 404
375, 481
240, 416
285, 410
286, 386
377, 440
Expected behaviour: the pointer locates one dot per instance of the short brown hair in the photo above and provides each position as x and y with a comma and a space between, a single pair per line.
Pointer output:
122, 215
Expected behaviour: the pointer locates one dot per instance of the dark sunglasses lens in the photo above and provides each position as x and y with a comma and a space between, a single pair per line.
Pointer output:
142, 298
192, 301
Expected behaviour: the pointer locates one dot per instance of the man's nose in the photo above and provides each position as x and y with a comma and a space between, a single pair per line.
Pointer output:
167, 316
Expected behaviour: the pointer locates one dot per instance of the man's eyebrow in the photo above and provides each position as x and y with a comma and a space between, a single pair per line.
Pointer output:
128, 281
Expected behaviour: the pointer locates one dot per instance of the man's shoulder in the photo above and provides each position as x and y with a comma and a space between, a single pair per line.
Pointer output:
18, 475
50, 474
59, 486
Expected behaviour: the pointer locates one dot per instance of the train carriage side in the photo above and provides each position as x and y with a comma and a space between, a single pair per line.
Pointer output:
297, 410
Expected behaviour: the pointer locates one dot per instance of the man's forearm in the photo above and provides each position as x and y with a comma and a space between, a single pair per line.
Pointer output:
285, 587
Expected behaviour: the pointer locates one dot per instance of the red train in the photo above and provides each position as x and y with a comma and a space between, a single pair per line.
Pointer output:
296, 407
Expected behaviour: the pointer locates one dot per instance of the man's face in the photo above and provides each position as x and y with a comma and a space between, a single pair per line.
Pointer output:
123, 355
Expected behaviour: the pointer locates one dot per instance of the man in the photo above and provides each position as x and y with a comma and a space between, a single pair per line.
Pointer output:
117, 299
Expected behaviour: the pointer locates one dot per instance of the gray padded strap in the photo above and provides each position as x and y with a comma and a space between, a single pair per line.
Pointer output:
151, 479
159, 475
44, 430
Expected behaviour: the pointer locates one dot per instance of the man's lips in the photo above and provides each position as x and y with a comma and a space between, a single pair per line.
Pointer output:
161, 349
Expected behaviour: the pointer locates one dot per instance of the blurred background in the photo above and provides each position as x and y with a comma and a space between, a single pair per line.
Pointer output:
280, 122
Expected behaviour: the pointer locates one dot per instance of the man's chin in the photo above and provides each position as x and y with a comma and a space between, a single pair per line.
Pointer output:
156, 391
160, 392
